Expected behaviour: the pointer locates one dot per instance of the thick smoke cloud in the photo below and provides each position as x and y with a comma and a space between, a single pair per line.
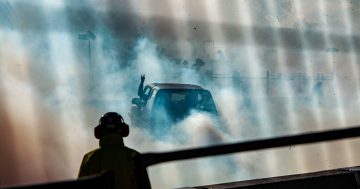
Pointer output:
53, 92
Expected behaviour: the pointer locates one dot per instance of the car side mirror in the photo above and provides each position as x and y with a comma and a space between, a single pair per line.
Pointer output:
136, 101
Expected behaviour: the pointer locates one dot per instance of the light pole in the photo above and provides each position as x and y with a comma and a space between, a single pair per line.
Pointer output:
333, 50
88, 36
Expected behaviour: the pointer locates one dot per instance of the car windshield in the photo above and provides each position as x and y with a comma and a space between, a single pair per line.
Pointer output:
178, 103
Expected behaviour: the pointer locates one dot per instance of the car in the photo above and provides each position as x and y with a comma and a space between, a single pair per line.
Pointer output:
169, 103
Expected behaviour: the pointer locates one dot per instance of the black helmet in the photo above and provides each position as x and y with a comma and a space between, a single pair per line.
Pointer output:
111, 122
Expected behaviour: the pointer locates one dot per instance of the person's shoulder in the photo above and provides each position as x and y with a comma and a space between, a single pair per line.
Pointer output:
132, 151
92, 152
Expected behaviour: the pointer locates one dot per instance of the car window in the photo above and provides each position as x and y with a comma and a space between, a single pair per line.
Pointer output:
206, 102
147, 91
178, 103
178, 96
162, 99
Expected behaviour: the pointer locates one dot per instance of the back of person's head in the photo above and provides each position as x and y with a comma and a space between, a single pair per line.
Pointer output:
111, 122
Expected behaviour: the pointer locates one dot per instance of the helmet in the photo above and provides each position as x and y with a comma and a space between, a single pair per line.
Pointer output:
111, 122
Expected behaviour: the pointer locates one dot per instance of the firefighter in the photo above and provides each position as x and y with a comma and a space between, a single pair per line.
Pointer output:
114, 156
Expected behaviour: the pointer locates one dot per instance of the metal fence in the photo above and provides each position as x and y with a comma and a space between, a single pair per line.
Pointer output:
106, 180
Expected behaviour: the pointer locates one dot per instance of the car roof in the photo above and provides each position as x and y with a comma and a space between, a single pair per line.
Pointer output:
174, 86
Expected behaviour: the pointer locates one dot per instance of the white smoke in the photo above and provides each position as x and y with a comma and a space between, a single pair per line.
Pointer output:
51, 100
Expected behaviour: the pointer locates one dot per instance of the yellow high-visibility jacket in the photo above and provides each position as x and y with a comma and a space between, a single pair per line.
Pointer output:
113, 156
